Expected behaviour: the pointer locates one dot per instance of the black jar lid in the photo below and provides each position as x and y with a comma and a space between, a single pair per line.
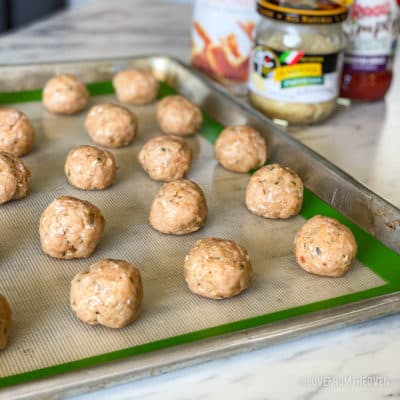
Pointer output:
305, 12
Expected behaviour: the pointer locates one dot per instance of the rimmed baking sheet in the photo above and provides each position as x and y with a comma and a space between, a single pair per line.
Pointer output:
48, 339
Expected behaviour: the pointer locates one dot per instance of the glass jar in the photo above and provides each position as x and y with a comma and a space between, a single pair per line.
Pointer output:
222, 39
296, 64
372, 30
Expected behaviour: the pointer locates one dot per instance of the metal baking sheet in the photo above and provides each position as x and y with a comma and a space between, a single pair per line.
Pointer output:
176, 327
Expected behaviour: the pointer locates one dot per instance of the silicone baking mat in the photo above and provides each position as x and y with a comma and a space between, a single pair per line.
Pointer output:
46, 336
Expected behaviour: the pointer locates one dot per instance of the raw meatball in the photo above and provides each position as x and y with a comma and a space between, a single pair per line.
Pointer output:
241, 149
5, 322
110, 293
70, 228
177, 115
135, 86
16, 132
14, 178
111, 125
90, 168
275, 192
166, 158
65, 94
217, 268
323, 246
179, 208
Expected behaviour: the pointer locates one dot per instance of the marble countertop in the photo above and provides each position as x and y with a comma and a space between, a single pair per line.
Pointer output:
363, 140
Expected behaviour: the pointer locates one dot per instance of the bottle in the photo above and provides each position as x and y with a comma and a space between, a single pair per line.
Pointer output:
372, 30
222, 39
297, 60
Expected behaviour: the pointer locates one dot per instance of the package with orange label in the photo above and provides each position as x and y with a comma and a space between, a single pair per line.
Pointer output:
222, 38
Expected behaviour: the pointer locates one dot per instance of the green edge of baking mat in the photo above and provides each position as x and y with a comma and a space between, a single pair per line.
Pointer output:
372, 253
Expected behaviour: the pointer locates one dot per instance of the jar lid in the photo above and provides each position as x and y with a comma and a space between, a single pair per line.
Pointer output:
306, 12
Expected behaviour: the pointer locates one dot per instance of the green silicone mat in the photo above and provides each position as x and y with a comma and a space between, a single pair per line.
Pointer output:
381, 275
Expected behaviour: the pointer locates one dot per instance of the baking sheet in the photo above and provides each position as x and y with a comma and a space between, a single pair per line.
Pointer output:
46, 332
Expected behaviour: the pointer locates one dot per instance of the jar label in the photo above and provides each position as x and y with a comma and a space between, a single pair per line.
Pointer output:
372, 30
222, 37
293, 76
368, 63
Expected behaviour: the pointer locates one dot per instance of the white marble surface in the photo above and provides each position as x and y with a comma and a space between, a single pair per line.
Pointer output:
303, 369
363, 140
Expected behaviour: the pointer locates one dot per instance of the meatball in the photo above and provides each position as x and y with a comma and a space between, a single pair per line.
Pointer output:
323, 246
179, 208
274, 192
15, 177
110, 293
177, 115
240, 149
70, 228
65, 94
5, 322
135, 86
90, 168
16, 132
111, 125
166, 158
217, 268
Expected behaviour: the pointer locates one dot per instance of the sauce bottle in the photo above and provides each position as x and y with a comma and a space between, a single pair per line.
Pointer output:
372, 29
